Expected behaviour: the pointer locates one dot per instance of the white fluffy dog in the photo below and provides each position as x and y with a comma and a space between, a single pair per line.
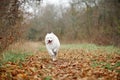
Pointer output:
52, 44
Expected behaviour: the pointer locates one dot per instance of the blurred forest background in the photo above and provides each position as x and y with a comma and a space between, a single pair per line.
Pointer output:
92, 21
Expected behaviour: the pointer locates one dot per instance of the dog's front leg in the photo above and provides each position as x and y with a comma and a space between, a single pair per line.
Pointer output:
52, 55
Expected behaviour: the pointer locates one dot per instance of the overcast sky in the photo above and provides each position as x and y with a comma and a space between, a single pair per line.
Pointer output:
31, 9
57, 2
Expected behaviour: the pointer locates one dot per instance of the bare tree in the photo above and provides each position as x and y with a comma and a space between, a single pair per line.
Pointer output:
10, 15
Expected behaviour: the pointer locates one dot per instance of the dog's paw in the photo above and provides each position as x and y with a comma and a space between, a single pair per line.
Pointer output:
54, 59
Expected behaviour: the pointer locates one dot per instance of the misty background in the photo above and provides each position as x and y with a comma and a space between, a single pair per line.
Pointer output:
73, 21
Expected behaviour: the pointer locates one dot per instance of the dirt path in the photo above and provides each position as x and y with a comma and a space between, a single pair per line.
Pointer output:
78, 65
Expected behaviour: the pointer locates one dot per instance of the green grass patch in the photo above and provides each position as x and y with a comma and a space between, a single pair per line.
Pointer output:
95, 64
106, 65
42, 48
79, 46
91, 47
48, 78
13, 56
86, 47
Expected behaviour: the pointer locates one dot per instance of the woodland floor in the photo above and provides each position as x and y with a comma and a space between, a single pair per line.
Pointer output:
71, 64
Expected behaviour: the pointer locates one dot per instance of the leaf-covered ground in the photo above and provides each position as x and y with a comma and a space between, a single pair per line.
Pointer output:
74, 64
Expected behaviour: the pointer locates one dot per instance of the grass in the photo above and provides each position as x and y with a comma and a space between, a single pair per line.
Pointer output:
42, 48
48, 78
91, 47
110, 50
85, 46
106, 65
13, 56
96, 55
19, 51
103, 64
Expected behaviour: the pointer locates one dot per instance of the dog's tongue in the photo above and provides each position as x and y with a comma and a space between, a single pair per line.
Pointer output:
49, 41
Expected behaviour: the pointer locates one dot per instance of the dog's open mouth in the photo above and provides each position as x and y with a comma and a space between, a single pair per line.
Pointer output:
49, 41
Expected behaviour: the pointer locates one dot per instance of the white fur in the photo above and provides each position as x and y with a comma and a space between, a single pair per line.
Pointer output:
53, 46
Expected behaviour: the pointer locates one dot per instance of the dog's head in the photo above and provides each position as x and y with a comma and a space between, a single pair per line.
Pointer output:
49, 38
